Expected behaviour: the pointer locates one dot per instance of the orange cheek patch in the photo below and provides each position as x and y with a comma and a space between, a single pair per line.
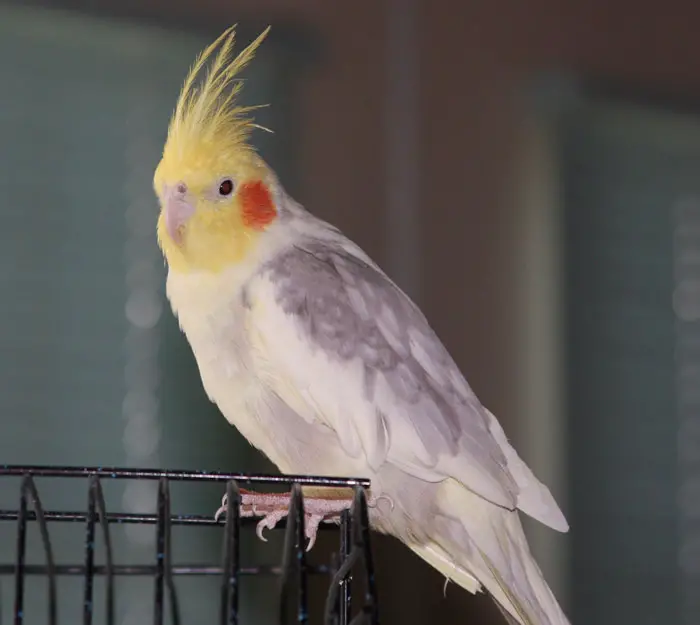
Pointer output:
258, 208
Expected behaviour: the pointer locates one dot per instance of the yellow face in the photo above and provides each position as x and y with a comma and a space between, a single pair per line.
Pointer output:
213, 207
212, 186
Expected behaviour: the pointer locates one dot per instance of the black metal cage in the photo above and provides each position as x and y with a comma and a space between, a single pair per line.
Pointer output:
352, 561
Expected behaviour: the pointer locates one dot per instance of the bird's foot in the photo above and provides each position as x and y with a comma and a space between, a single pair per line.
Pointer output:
274, 507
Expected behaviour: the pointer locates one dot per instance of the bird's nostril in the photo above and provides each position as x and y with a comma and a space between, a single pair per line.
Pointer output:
182, 188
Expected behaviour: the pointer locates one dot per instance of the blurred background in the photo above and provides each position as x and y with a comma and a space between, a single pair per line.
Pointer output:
528, 172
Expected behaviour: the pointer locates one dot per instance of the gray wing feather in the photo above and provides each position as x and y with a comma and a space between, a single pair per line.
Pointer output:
350, 309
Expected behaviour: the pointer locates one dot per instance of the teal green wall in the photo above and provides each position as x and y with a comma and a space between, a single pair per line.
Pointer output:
629, 173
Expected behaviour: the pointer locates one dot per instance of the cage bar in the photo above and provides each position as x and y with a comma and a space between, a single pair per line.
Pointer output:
353, 560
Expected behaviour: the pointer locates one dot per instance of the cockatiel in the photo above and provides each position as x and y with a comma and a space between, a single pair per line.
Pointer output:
325, 365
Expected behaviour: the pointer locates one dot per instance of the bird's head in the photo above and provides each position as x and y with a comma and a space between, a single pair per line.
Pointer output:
214, 189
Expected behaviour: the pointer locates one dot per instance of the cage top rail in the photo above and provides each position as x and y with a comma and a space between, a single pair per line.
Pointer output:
132, 518
19, 470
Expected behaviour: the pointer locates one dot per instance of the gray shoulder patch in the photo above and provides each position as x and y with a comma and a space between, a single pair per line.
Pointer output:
352, 311
312, 288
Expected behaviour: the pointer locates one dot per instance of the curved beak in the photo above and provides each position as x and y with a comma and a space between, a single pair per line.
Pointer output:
178, 209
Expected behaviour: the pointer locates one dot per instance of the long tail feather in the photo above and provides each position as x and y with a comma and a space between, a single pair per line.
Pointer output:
436, 557
479, 544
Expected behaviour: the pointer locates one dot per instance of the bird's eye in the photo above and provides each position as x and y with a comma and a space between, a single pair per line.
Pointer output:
226, 187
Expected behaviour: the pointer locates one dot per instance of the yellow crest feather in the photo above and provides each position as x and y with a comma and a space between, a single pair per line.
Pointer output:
207, 112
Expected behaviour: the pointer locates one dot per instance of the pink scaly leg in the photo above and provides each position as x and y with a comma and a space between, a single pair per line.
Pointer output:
274, 507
